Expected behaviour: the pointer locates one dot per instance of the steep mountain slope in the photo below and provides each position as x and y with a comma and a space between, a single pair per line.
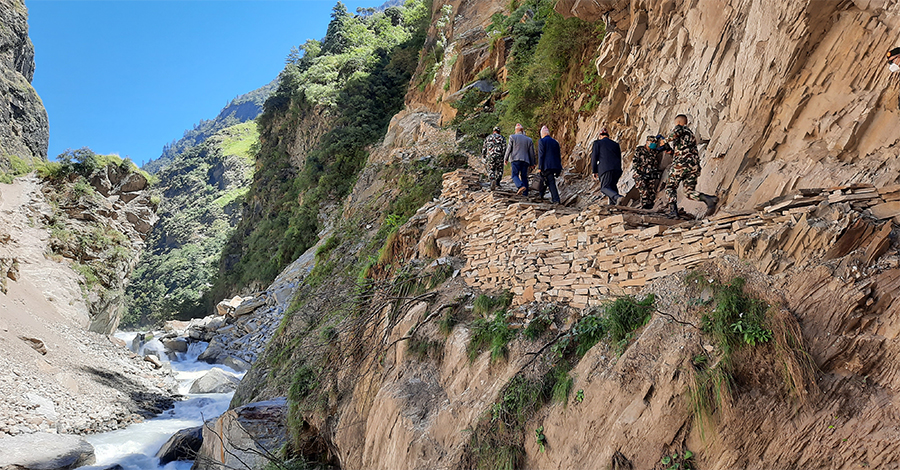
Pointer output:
56, 375
239, 110
789, 368
330, 105
202, 192
23, 119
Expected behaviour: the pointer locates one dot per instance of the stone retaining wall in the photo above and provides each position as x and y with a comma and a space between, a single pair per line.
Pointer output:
549, 252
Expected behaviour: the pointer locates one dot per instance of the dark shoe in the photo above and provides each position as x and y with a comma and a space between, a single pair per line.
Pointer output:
711, 203
673, 211
647, 207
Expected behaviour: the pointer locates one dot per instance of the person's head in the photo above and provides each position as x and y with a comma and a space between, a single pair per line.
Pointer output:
519, 129
681, 120
497, 130
893, 58
652, 142
604, 132
544, 132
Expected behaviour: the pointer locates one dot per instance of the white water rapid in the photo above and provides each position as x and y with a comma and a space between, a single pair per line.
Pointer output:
135, 447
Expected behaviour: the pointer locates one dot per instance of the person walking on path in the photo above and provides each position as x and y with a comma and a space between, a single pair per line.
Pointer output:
520, 154
606, 163
646, 169
492, 155
549, 163
685, 168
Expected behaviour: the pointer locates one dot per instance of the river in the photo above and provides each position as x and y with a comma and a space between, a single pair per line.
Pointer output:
135, 447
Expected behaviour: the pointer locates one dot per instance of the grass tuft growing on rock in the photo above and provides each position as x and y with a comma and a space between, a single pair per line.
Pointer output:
493, 335
738, 323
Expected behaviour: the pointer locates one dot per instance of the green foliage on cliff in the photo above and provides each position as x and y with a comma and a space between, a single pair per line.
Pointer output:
545, 69
354, 81
12, 166
202, 189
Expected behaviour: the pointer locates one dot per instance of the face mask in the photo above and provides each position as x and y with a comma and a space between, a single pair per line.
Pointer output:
894, 68
653, 146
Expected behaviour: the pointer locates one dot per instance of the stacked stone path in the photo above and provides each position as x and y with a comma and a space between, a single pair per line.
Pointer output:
549, 252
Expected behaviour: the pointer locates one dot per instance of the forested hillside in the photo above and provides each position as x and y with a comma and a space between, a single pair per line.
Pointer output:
202, 191
335, 97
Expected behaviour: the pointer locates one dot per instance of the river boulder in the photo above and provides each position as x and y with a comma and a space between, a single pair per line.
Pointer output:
236, 363
241, 437
45, 451
183, 445
215, 381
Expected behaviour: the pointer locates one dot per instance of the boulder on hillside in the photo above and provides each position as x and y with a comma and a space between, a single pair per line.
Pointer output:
227, 306
183, 445
215, 381
35, 344
45, 451
241, 437
248, 305
133, 182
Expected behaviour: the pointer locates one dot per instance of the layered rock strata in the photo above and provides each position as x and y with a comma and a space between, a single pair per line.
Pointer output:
24, 129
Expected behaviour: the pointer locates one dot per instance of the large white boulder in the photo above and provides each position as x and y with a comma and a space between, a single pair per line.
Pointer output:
45, 451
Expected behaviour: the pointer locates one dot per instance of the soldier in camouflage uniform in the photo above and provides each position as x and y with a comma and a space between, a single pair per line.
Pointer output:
685, 168
646, 169
492, 154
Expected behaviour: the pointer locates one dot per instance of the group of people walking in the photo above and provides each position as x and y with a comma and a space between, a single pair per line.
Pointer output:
606, 164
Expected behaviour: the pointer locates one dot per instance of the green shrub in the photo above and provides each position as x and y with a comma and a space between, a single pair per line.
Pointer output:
497, 440
735, 321
17, 167
626, 314
448, 321
614, 322
485, 305
423, 348
560, 382
493, 335
538, 326
737, 318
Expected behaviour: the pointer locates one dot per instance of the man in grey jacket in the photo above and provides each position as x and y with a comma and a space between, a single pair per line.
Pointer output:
520, 154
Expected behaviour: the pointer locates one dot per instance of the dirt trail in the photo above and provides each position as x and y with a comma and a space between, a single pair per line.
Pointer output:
21, 207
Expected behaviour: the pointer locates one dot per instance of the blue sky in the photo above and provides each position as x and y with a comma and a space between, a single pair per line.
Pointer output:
128, 76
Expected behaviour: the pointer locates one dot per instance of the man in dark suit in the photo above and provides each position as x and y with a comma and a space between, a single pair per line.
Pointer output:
549, 163
606, 163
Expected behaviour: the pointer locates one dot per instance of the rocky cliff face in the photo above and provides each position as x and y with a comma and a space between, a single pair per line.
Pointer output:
23, 119
100, 227
791, 95
794, 97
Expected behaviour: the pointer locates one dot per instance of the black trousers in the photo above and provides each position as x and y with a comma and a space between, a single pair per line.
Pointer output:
548, 181
609, 184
